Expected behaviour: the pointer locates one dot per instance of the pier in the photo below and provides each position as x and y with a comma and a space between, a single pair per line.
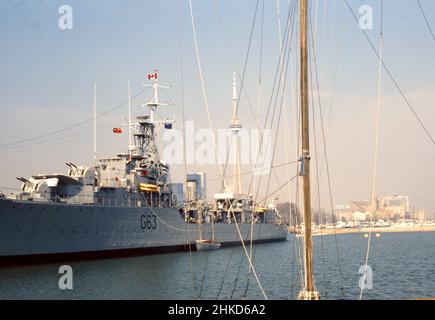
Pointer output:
328, 231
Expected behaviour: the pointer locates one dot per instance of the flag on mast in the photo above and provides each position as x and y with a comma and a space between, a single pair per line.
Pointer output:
152, 76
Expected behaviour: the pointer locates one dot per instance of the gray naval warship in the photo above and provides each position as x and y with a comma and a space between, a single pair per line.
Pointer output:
124, 205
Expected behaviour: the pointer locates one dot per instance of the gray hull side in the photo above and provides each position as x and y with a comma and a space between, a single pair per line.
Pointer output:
32, 228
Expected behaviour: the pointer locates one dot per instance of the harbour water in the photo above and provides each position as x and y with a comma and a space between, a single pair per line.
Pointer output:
402, 263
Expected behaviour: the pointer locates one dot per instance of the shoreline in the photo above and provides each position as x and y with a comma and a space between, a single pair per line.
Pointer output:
407, 229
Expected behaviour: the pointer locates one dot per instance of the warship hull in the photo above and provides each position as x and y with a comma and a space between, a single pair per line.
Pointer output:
32, 231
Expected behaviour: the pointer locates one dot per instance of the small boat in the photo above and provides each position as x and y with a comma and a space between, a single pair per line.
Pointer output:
204, 245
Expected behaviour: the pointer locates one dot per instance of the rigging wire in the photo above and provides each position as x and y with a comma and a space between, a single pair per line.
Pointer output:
236, 68
375, 159
254, 114
257, 118
249, 106
283, 75
54, 142
286, 116
258, 170
426, 19
275, 85
276, 74
292, 272
181, 33
266, 121
316, 160
231, 211
225, 273
238, 274
204, 93
260, 68
325, 151
252, 255
170, 226
72, 126
281, 66
242, 78
279, 188
335, 76
242, 87
172, 103
251, 240
390, 75
277, 129
203, 275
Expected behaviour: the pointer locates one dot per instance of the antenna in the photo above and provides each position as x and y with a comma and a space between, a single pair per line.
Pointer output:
129, 119
154, 103
95, 121
235, 127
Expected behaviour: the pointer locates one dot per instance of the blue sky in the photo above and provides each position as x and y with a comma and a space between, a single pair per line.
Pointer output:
47, 76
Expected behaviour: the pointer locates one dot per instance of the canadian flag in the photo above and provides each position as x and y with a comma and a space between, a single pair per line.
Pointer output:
152, 76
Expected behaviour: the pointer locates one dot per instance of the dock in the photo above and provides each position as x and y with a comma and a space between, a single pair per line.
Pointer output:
328, 231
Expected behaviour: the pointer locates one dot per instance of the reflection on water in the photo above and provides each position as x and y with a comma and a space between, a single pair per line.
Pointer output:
403, 267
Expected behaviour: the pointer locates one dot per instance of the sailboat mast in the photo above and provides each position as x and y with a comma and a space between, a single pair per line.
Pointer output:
309, 291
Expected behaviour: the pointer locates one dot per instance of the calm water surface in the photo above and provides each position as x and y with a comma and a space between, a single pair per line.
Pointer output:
403, 267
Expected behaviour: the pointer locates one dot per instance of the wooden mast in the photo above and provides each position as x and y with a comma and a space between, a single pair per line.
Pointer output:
309, 291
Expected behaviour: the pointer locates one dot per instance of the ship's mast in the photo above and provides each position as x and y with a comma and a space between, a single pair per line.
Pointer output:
154, 103
309, 291
235, 127
95, 123
129, 121
144, 138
